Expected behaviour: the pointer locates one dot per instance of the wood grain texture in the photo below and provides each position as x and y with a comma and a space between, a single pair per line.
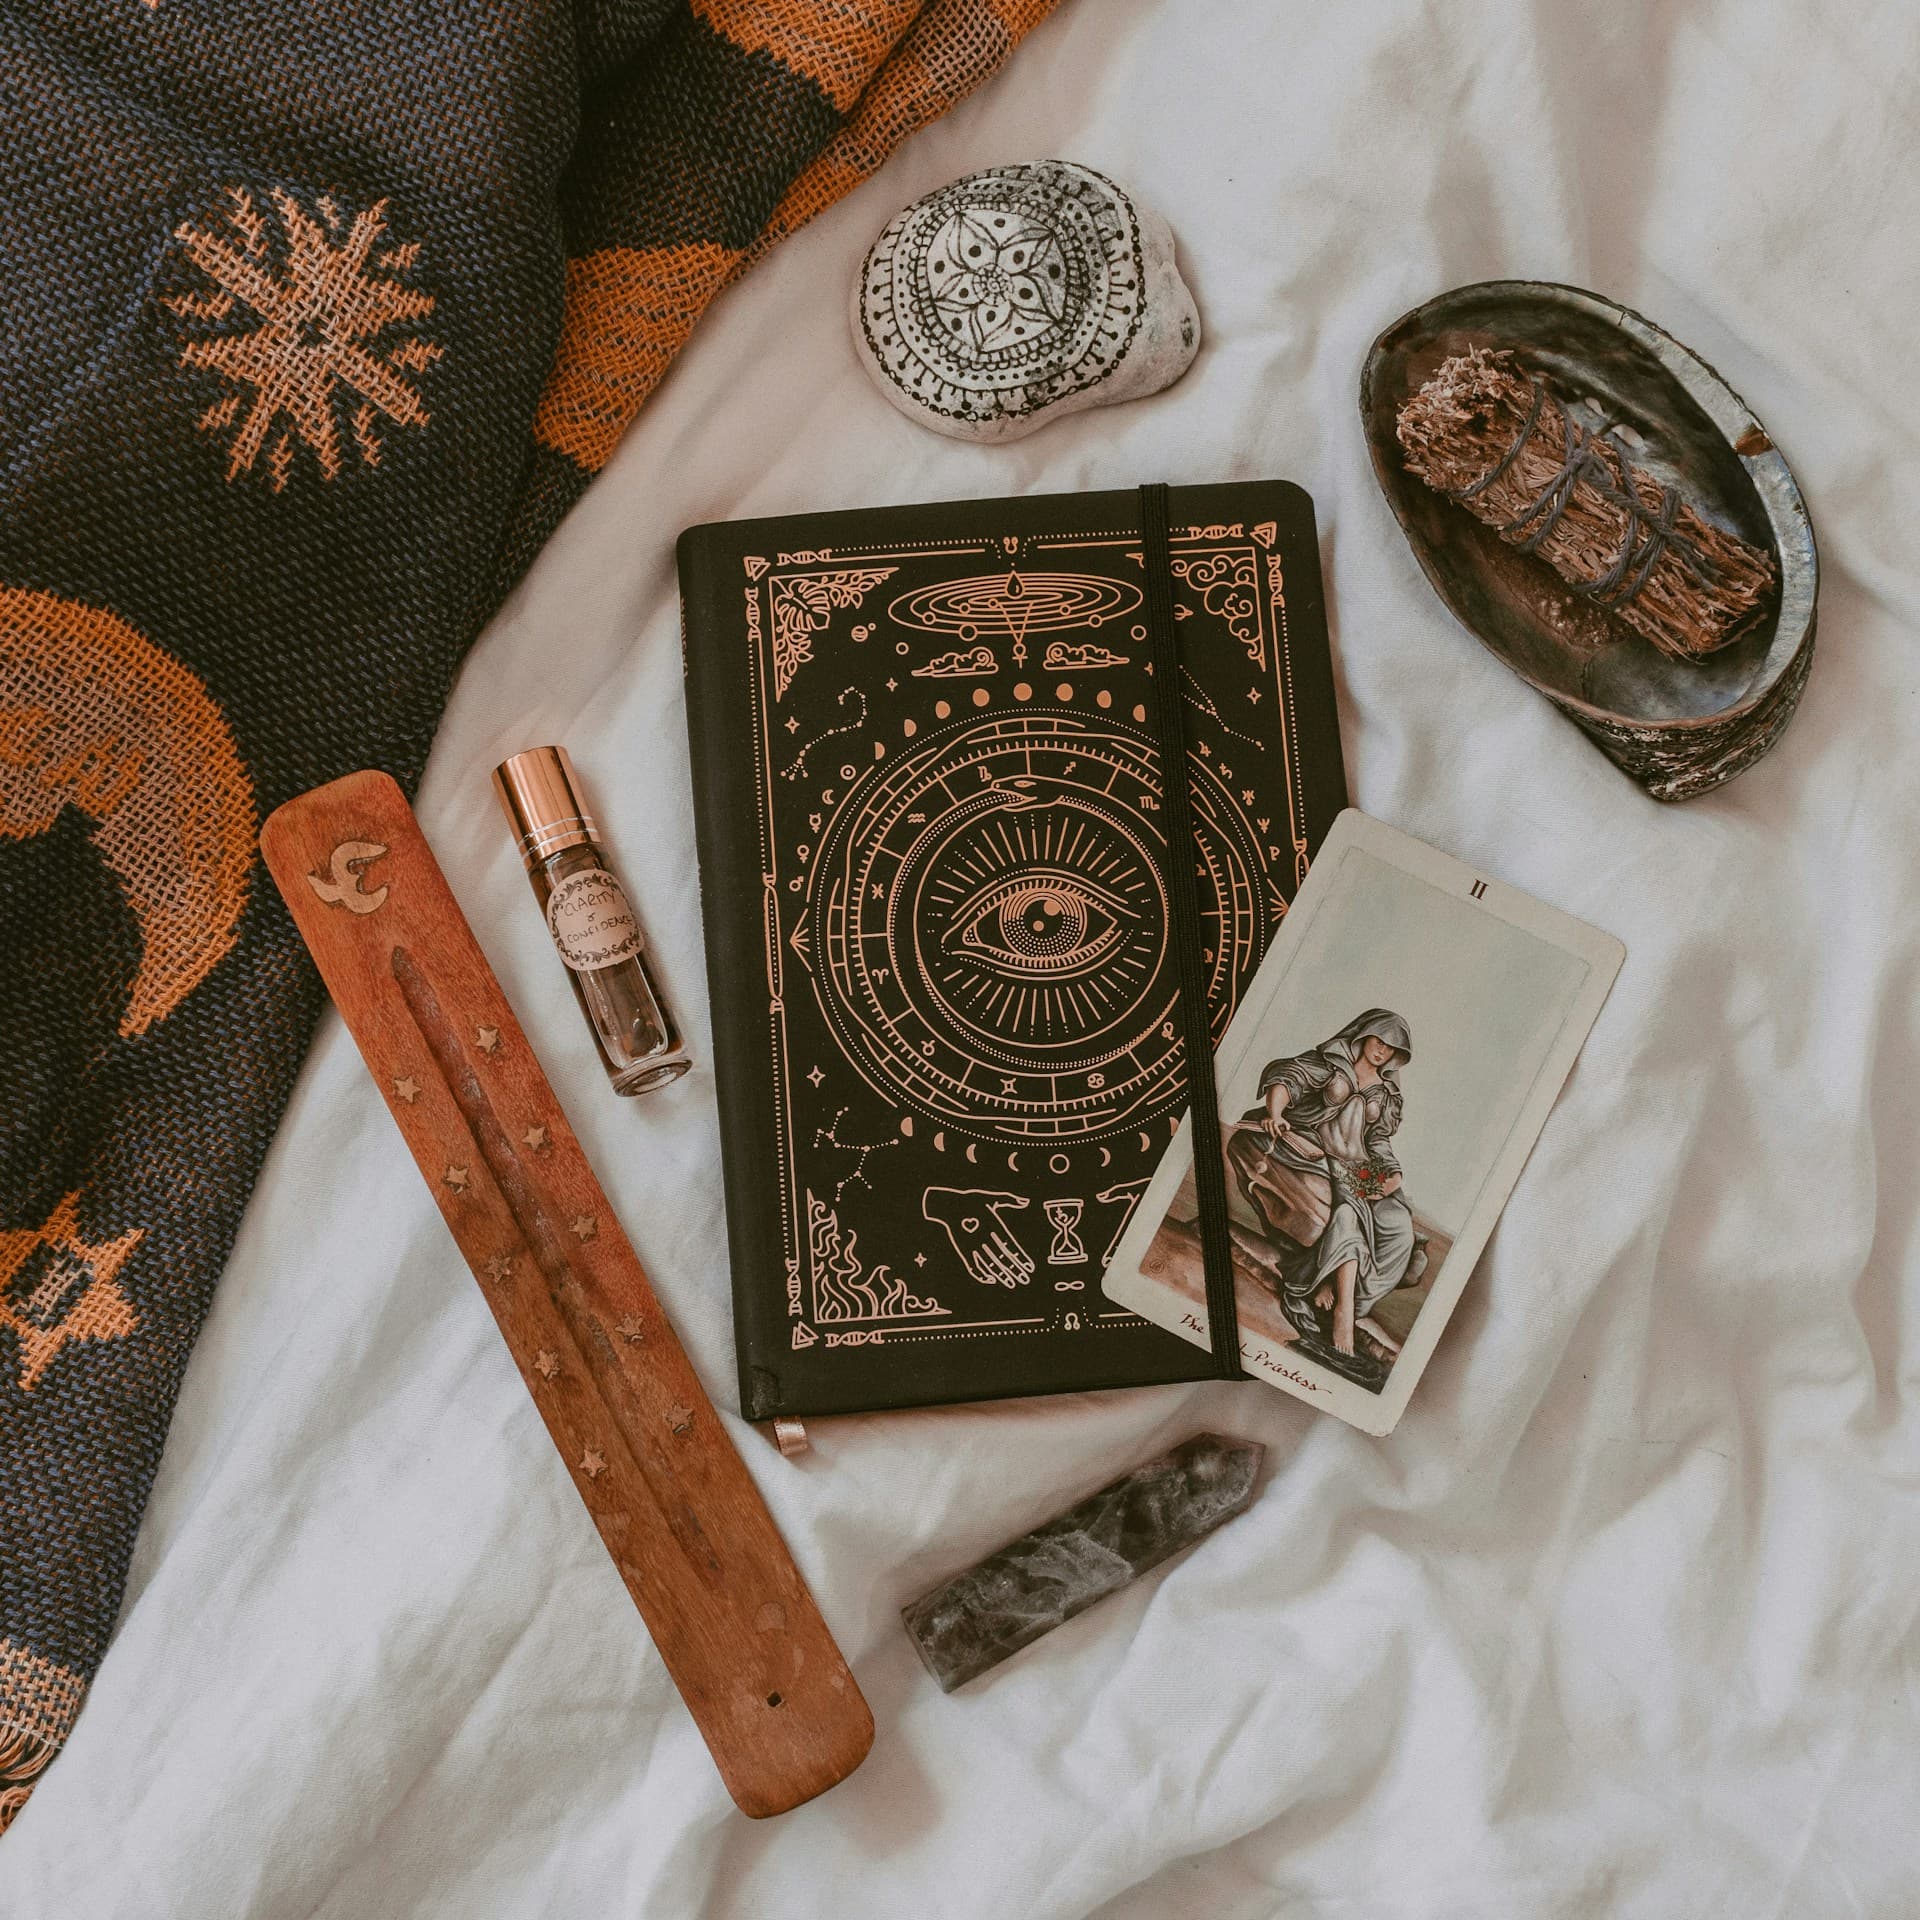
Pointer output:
647, 1453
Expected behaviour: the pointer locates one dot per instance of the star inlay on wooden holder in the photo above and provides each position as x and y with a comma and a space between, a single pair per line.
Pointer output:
779, 1710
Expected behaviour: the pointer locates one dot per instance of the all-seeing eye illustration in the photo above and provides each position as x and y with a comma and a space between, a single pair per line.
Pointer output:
1040, 923
1048, 922
987, 929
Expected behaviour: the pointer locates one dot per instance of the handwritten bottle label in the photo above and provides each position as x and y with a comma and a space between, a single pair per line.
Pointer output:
591, 922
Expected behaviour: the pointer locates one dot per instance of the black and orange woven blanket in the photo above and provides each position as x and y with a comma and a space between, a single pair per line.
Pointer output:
319, 315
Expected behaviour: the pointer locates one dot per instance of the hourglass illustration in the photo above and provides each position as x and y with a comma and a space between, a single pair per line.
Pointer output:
1063, 1216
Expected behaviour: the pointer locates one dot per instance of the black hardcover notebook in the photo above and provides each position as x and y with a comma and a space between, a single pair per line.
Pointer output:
928, 805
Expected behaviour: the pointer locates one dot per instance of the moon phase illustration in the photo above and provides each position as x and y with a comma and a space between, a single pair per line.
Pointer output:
93, 715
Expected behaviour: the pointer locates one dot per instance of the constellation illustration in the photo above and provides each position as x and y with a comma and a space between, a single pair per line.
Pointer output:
796, 768
1198, 698
862, 1150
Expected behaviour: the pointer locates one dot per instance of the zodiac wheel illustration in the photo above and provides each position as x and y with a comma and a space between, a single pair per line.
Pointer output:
989, 927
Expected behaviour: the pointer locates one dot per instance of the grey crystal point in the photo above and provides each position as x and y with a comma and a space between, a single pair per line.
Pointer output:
975, 1620
1010, 296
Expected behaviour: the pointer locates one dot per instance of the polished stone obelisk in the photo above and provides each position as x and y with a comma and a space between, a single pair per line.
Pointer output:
975, 1620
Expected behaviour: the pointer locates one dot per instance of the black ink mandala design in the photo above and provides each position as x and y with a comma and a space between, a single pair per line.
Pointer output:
1005, 291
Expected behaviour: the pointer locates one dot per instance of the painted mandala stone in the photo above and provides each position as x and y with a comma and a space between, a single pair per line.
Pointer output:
1023, 292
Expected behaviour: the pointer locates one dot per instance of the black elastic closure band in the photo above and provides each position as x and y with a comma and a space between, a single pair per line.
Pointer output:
1183, 910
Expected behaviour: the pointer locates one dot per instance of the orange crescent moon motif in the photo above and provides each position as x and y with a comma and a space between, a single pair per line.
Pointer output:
93, 715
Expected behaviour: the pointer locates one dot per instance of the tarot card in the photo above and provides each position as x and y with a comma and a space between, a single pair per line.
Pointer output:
1380, 1089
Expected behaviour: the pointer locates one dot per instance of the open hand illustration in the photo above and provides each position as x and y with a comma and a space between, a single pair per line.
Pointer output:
1125, 1193
981, 1237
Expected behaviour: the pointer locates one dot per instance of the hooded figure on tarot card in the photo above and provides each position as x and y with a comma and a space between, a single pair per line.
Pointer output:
1316, 1164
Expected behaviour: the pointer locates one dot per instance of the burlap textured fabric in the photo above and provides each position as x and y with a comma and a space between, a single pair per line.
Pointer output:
321, 313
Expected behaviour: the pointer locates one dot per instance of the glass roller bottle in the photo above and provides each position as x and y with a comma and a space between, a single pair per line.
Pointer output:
594, 927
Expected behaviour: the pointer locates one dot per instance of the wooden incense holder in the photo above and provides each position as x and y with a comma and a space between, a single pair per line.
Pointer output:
673, 1501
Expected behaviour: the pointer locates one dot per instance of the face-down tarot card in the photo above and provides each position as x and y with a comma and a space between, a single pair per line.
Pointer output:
1380, 1089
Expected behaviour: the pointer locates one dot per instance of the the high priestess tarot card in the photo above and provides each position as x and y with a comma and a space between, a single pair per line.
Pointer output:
1380, 1089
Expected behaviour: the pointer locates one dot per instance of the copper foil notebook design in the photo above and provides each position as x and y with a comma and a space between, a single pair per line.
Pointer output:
946, 1025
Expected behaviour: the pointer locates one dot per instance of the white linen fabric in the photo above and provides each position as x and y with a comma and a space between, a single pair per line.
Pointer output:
1623, 1620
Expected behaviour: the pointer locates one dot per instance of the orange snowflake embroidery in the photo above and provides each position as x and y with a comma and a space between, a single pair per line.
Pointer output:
316, 335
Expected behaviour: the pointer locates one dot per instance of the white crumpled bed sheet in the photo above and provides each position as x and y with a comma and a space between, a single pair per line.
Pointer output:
1622, 1621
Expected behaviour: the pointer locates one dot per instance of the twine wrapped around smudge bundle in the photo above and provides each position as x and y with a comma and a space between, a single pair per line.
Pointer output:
1492, 436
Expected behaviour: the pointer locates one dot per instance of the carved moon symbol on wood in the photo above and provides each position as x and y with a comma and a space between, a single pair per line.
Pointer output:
340, 887
93, 715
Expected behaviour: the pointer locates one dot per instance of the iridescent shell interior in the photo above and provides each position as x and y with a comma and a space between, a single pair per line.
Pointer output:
1680, 421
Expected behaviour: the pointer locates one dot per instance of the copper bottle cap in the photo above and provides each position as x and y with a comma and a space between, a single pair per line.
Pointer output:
541, 799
